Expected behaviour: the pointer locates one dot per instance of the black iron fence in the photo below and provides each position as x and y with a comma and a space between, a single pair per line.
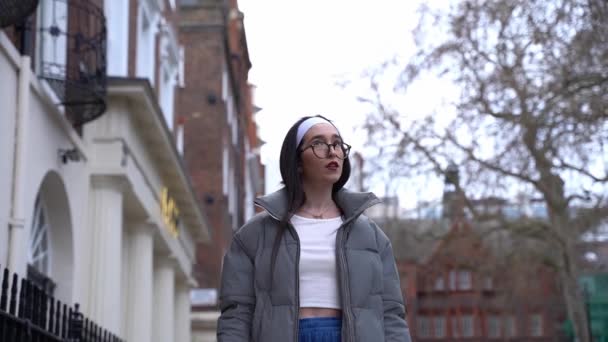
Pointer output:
28, 314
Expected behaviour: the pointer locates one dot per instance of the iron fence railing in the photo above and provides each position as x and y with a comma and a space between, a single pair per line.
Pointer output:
28, 314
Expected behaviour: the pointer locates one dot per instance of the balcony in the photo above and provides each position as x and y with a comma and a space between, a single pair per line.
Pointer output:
67, 42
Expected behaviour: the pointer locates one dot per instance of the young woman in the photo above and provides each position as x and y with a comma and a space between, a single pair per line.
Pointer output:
312, 267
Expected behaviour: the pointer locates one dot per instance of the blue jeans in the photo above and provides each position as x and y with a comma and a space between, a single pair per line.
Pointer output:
322, 329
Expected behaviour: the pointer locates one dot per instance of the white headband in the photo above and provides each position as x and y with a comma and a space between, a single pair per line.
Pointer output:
306, 125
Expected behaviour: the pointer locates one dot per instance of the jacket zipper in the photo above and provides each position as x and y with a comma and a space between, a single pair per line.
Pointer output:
344, 284
297, 310
297, 281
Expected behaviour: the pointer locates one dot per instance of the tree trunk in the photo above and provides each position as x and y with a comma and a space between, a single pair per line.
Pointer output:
576, 305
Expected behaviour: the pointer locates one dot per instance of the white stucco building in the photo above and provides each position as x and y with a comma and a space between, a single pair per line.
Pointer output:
102, 214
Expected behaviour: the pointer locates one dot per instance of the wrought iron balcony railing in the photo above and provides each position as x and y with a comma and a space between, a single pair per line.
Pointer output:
72, 56
67, 42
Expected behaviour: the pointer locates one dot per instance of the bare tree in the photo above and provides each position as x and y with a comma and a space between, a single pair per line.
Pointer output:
531, 115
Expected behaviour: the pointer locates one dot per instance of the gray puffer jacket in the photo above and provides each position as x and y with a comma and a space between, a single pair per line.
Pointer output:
253, 309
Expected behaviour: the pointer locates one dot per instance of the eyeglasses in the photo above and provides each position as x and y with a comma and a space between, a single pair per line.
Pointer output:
321, 149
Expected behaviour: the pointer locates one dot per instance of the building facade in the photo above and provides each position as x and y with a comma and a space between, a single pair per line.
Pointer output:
98, 207
221, 145
474, 281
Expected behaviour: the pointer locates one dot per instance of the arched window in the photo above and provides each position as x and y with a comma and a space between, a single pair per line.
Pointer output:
39, 258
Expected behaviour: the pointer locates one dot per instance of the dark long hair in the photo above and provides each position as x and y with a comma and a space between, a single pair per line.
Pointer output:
290, 161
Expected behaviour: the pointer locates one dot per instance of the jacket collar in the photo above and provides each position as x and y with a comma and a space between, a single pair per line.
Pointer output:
351, 203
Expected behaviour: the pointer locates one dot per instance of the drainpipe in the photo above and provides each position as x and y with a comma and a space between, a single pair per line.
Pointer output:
16, 222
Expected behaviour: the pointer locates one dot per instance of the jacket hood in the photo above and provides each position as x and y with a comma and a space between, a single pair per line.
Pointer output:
351, 203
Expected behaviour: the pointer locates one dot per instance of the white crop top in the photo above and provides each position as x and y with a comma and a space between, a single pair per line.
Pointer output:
318, 272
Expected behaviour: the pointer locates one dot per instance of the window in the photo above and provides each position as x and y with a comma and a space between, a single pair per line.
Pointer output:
488, 283
468, 326
455, 327
439, 284
536, 325
225, 168
38, 269
117, 23
179, 137
167, 92
460, 280
146, 41
453, 280
181, 76
493, 327
510, 326
424, 327
464, 280
439, 327
224, 84
52, 47
38, 252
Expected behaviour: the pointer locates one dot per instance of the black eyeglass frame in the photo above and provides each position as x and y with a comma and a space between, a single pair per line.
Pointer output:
343, 146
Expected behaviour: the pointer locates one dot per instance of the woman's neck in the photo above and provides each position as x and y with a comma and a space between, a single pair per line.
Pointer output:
318, 199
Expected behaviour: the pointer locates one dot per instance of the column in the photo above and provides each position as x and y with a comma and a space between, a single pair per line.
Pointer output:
138, 323
164, 299
182, 313
105, 224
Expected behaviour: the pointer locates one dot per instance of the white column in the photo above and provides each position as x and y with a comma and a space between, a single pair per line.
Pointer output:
164, 299
140, 283
105, 223
182, 313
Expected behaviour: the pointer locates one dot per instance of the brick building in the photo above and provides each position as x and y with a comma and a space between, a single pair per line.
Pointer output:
216, 111
469, 281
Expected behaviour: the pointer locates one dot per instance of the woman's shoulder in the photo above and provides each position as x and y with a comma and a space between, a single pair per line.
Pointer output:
369, 224
253, 225
249, 233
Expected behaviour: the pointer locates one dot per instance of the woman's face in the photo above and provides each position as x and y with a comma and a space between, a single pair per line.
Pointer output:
318, 165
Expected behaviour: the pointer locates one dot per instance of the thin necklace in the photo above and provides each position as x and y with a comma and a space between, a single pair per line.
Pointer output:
318, 216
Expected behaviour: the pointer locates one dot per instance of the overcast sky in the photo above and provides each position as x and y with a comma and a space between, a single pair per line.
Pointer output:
300, 49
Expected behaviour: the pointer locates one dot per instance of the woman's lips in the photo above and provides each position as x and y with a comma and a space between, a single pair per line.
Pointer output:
332, 166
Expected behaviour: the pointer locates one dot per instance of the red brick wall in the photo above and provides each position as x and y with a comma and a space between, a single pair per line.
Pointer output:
211, 42
201, 107
518, 289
